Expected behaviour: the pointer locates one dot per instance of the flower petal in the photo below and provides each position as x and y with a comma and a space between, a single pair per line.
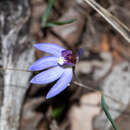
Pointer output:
48, 76
43, 63
80, 52
61, 84
50, 48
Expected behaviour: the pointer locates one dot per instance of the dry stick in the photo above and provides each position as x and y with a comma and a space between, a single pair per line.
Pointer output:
79, 83
116, 23
75, 82
15, 69
92, 89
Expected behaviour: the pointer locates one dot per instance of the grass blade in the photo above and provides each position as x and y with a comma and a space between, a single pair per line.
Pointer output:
47, 12
59, 23
105, 109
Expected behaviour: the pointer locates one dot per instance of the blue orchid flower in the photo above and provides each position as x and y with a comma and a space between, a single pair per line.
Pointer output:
60, 64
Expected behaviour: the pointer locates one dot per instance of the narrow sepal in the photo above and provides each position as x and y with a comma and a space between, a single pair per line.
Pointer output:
44, 63
50, 48
61, 84
48, 76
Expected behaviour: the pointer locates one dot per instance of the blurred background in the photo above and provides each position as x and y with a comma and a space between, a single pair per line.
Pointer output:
104, 65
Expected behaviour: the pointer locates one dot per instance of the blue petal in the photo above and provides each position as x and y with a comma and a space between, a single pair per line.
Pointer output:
50, 48
80, 52
61, 84
48, 76
43, 63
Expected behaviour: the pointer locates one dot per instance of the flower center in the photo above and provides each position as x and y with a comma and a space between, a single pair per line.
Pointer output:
61, 60
67, 58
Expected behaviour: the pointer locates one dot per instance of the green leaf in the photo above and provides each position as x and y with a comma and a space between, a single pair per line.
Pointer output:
59, 23
47, 12
57, 111
105, 109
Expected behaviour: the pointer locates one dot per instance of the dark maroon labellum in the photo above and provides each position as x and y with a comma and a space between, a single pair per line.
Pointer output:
70, 59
